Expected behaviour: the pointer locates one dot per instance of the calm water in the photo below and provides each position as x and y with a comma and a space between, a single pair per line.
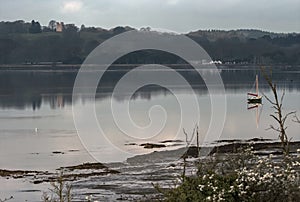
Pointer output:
36, 115
37, 130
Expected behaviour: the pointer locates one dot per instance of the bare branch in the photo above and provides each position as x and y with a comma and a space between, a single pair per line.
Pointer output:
276, 129
278, 115
282, 96
186, 136
287, 115
297, 120
275, 118
269, 100
273, 128
6, 199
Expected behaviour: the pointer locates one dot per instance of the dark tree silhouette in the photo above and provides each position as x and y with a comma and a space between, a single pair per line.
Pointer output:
72, 45
52, 25
35, 27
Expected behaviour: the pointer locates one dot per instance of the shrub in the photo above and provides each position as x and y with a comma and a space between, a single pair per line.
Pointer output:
241, 177
60, 191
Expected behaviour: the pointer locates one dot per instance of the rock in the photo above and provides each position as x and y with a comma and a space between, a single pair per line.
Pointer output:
151, 145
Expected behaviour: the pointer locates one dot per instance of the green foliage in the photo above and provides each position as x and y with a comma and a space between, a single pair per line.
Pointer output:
35, 27
197, 188
18, 26
24, 42
240, 177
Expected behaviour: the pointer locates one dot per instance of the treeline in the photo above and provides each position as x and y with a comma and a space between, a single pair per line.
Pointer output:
31, 43
250, 46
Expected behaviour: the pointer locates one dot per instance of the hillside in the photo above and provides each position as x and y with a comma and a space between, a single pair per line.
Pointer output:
31, 43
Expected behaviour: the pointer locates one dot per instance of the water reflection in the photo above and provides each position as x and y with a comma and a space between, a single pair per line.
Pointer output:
29, 89
257, 107
43, 100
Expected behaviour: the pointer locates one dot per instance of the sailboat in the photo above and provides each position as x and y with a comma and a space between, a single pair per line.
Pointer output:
254, 97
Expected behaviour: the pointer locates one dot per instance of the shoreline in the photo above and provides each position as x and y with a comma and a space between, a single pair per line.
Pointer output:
157, 167
261, 148
76, 67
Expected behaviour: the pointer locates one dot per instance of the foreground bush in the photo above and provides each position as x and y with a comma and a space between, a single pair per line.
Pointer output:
241, 177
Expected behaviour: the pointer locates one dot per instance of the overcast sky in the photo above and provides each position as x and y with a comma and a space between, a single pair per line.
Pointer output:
177, 15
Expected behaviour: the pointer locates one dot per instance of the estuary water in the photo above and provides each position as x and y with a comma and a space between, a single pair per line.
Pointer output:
37, 130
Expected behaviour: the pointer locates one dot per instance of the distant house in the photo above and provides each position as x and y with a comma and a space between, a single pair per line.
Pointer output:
218, 62
59, 26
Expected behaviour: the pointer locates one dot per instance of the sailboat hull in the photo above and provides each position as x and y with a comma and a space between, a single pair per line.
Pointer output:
255, 99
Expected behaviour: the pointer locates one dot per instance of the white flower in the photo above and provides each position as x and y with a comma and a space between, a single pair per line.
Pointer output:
243, 192
201, 186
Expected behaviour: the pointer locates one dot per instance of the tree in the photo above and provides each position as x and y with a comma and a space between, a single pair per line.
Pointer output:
118, 30
82, 27
6, 48
278, 115
70, 28
35, 27
18, 26
52, 25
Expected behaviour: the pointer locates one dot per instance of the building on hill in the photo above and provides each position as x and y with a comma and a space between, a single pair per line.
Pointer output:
59, 26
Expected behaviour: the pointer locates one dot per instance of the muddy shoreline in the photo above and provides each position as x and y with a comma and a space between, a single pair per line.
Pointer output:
71, 173
133, 179
230, 146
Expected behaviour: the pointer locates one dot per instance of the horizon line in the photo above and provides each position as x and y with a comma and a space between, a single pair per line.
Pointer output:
162, 29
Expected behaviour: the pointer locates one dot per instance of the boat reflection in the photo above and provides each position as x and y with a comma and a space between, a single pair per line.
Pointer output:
257, 107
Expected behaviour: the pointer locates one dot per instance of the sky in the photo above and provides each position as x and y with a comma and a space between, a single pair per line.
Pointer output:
175, 15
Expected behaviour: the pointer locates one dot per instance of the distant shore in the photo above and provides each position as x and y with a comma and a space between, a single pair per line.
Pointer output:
76, 67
